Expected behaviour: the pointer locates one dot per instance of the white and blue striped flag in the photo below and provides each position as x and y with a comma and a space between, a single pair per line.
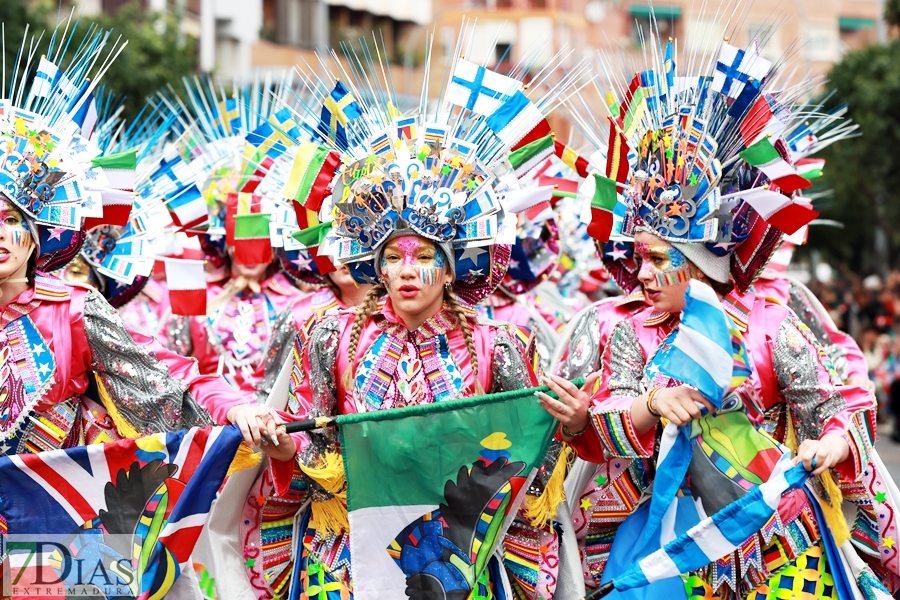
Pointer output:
718, 535
705, 351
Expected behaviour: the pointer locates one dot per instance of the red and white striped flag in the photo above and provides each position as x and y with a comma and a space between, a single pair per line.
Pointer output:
186, 280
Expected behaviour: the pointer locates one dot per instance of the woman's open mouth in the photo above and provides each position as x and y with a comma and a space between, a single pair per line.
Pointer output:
409, 291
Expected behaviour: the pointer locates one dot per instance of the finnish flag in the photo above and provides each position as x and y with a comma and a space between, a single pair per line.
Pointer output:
478, 89
735, 68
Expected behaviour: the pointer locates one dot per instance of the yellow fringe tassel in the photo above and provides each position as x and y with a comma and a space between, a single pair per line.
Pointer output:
125, 429
541, 510
831, 506
246, 457
330, 516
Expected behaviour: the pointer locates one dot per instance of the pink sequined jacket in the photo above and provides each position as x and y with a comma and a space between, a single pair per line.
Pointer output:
506, 360
791, 376
56, 338
843, 350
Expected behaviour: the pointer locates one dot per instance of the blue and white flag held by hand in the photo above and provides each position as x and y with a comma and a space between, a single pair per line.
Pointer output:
706, 352
714, 537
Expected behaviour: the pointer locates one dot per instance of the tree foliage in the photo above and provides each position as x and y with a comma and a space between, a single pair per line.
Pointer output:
892, 12
864, 172
157, 53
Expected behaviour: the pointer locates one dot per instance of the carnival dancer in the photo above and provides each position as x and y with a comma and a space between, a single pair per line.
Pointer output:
237, 146
59, 338
337, 291
416, 338
695, 212
533, 259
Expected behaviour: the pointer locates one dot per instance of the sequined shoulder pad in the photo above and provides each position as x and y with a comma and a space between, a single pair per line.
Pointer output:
522, 336
510, 361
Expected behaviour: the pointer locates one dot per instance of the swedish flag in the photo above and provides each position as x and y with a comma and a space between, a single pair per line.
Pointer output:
339, 108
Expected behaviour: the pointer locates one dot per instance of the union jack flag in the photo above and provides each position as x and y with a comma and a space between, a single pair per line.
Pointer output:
144, 501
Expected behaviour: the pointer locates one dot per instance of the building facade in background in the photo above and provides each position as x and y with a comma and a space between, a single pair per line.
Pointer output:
240, 37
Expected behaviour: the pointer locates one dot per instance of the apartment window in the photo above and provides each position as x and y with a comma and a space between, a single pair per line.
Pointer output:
768, 38
642, 21
822, 42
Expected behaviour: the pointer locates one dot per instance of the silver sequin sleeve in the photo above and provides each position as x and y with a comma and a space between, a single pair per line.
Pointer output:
582, 356
509, 369
625, 362
140, 384
801, 305
278, 351
798, 365
178, 335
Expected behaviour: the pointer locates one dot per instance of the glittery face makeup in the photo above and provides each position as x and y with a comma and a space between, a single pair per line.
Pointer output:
13, 224
422, 255
666, 265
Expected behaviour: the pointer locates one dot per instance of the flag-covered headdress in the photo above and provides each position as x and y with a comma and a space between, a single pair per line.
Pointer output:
447, 172
51, 167
222, 175
703, 159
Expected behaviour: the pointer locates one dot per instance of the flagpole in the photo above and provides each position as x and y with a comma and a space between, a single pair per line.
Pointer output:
604, 590
322, 422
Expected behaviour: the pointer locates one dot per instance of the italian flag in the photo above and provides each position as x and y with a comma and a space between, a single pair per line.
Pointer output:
765, 157
119, 169
810, 168
252, 243
118, 197
431, 490
186, 280
780, 210
311, 174
602, 192
530, 155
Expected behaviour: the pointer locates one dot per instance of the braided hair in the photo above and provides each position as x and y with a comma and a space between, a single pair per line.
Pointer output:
459, 314
368, 306
363, 312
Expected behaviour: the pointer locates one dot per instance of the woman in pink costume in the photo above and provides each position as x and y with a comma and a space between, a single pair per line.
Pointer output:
414, 340
58, 338
792, 397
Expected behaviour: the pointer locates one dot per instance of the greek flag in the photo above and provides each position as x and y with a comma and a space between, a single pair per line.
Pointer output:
705, 352
719, 534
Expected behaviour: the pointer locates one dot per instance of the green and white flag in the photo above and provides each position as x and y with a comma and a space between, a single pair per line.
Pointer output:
432, 489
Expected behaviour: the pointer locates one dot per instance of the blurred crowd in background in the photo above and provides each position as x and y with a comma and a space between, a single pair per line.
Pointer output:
868, 308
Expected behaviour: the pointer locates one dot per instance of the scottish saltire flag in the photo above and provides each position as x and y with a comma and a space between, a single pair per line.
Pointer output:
736, 68
136, 505
338, 109
478, 89
718, 535
426, 517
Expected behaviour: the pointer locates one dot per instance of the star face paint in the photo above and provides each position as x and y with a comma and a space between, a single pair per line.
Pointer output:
13, 225
664, 264
422, 255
